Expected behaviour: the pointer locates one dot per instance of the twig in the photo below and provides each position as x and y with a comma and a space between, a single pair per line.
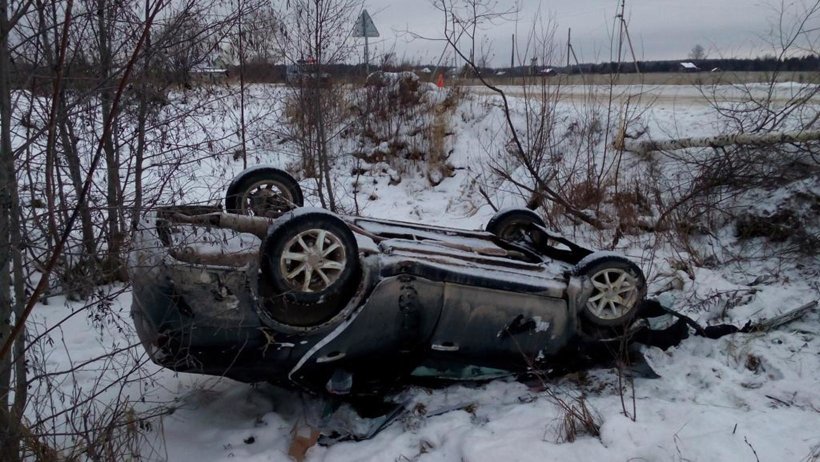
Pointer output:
778, 400
752, 448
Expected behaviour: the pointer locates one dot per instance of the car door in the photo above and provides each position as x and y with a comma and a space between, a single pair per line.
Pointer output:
496, 328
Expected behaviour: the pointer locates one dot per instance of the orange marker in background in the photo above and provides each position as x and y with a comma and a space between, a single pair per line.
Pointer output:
440, 81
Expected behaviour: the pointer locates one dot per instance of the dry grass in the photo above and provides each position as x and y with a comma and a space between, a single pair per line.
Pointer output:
437, 166
398, 123
576, 419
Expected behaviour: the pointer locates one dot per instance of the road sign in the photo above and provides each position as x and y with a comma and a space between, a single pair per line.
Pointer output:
364, 26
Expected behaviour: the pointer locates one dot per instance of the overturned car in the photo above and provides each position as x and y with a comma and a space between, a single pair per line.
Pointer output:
271, 291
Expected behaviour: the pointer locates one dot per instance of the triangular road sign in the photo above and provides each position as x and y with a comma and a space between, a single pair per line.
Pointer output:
364, 26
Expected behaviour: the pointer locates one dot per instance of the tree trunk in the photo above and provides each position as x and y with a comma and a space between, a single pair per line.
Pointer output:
242, 128
8, 435
142, 120
48, 187
114, 236
765, 139
322, 151
18, 355
72, 158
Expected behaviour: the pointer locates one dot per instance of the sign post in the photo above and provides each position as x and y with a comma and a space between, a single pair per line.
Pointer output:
365, 28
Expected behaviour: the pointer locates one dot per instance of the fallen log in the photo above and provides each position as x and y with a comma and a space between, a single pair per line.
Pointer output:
786, 317
767, 139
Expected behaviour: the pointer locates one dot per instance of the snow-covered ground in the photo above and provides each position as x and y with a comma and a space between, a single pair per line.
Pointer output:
743, 397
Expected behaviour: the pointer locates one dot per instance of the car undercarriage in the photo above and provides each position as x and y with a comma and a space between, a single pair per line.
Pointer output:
269, 290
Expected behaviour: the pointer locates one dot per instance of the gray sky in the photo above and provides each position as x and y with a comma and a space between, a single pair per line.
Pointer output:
660, 29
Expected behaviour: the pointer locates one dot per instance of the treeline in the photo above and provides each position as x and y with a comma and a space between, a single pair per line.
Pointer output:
264, 72
765, 64
80, 75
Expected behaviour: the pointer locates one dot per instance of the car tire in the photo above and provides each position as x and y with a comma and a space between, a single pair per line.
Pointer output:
310, 262
263, 191
516, 225
619, 287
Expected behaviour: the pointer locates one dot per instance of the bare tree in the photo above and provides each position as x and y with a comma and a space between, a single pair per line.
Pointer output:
78, 147
460, 18
260, 26
698, 52
314, 34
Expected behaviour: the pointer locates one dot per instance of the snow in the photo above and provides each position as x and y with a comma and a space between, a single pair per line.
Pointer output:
743, 397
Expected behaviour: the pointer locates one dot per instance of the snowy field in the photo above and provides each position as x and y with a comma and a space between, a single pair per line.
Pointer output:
744, 397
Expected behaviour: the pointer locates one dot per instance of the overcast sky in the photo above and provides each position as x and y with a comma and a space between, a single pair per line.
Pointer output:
660, 29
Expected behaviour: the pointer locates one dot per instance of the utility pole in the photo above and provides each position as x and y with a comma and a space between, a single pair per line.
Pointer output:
512, 53
571, 52
624, 31
569, 45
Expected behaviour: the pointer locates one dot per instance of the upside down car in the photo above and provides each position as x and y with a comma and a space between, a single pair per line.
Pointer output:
269, 290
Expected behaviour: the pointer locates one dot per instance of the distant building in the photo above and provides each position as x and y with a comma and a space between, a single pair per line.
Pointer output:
210, 74
689, 67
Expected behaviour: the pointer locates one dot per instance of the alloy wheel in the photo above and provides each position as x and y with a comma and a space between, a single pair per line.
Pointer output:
313, 260
616, 292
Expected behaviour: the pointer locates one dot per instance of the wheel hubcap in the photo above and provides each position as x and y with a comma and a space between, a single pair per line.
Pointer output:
267, 198
313, 260
615, 293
